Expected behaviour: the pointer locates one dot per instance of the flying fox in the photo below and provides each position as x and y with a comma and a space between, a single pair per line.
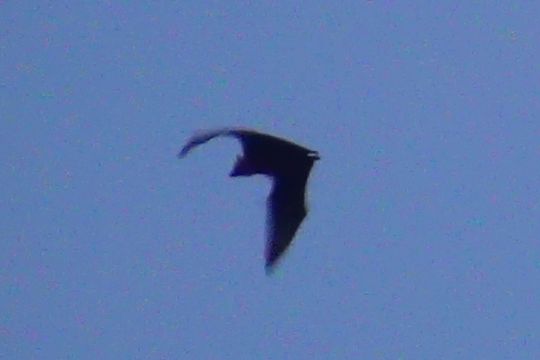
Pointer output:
287, 163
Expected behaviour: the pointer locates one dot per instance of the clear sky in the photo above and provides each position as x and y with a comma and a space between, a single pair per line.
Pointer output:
422, 240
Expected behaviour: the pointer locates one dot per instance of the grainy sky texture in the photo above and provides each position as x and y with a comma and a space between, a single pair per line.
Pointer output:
423, 236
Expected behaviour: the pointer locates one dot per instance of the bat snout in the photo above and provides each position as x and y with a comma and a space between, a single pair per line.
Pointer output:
314, 155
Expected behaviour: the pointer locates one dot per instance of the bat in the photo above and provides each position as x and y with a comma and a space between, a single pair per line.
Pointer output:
287, 163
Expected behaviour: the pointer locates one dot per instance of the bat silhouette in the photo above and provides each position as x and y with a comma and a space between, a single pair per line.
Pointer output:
288, 164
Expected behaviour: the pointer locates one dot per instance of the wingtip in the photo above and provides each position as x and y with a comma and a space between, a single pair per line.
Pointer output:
271, 265
185, 150
269, 269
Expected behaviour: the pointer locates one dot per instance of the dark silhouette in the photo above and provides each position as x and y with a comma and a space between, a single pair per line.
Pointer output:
288, 164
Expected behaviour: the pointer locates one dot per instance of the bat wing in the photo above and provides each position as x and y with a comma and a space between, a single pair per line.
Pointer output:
286, 211
205, 136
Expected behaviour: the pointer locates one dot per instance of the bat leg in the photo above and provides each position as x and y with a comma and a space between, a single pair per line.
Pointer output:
242, 167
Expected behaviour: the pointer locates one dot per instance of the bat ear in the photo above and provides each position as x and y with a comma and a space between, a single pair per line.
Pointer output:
242, 167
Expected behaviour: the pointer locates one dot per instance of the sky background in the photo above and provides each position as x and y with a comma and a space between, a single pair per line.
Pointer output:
422, 240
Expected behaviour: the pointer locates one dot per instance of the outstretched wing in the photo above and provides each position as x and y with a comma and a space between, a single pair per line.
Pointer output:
286, 211
205, 136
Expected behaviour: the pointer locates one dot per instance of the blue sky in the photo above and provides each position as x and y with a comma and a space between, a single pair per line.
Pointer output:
422, 237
